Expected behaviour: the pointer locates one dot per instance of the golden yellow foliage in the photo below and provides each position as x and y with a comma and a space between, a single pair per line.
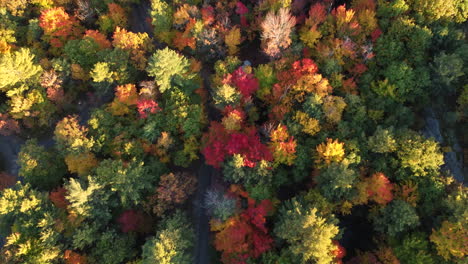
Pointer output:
79, 73
331, 151
232, 121
82, 163
232, 40
333, 107
310, 125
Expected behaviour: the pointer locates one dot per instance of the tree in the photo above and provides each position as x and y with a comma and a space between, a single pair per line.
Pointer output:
336, 181
451, 239
219, 205
276, 31
39, 167
71, 137
166, 64
174, 189
414, 248
379, 188
161, 14
421, 156
27, 223
59, 26
8, 126
396, 218
232, 40
173, 242
136, 43
81, 163
243, 236
115, 17
309, 234
128, 181
332, 151
383, 141
18, 69
99, 38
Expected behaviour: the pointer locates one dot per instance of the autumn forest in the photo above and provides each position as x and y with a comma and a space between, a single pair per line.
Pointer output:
233, 131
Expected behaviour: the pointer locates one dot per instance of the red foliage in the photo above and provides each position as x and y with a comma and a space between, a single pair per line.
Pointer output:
359, 69
376, 34
74, 258
208, 15
59, 26
219, 142
99, 38
147, 106
317, 14
57, 197
339, 252
56, 94
8, 126
380, 188
246, 82
6, 180
245, 236
241, 9
132, 221
249, 146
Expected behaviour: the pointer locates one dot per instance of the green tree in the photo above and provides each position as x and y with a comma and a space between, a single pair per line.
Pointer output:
173, 242
128, 181
161, 14
164, 65
82, 52
27, 222
383, 141
41, 168
112, 248
336, 181
421, 156
308, 233
17, 69
414, 248
90, 200
396, 218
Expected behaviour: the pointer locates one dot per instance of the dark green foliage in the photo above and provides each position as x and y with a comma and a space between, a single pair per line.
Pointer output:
336, 181
82, 52
113, 247
41, 168
129, 182
396, 218
414, 248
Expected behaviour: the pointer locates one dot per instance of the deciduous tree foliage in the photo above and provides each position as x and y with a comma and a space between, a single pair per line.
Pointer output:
451, 239
276, 32
166, 64
173, 242
309, 234
173, 190
396, 218
59, 26
71, 137
40, 167
18, 69
244, 236
138, 44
